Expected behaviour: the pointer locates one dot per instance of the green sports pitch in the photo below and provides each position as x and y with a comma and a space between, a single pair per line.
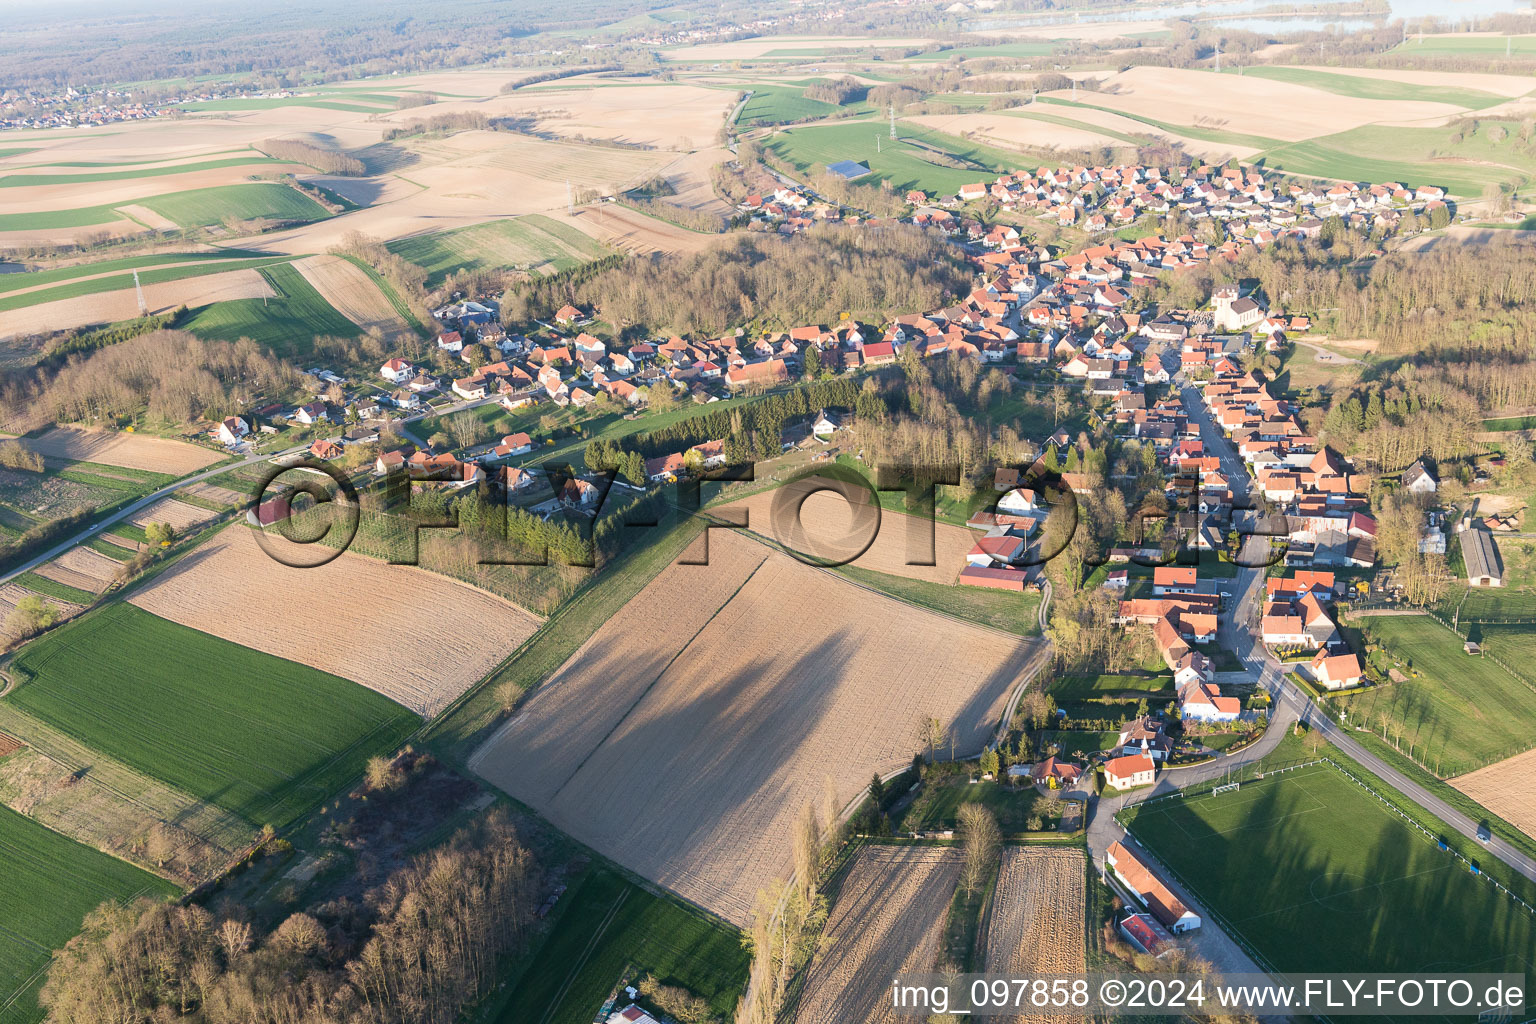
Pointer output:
1318, 874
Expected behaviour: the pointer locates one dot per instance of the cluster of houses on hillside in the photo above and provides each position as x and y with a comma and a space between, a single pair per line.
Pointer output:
1250, 206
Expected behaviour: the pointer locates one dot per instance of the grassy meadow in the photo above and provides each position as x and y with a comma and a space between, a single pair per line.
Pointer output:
48, 885
288, 323
532, 242
265, 738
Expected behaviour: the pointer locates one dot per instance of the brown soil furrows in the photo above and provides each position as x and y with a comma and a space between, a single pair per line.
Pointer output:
131, 451
888, 919
352, 292
81, 567
177, 513
417, 637
722, 739
832, 527
1504, 787
1037, 913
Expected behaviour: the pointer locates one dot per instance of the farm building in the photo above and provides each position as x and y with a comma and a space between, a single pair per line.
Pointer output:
1481, 555
1150, 890
849, 170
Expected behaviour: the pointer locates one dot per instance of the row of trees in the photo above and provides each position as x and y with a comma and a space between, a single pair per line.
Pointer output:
421, 947
327, 161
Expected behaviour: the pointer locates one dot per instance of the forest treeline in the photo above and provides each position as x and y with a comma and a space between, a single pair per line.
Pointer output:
817, 276
418, 948
326, 161
177, 375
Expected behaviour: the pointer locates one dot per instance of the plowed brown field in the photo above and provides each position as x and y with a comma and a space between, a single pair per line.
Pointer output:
131, 451
81, 567
1504, 787
832, 527
888, 919
686, 735
177, 513
417, 637
1037, 916
352, 292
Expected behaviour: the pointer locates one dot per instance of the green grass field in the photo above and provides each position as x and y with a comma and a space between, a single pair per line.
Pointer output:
1457, 714
1412, 156
289, 323
47, 886
1075, 743
1042, 49
1467, 46
781, 104
533, 243
12, 282
117, 282
908, 163
1376, 88
265, 738
195, 208
255, 201
1087, 687
52, 588
1504, 423
1319, 875
22, 180
609, 929
1067, 122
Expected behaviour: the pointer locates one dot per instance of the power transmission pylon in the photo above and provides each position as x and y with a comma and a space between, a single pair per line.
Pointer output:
893, 122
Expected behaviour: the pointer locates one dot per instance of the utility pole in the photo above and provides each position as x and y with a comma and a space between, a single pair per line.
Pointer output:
139, 289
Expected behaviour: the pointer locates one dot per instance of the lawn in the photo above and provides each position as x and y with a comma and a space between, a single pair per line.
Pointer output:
1375, 88
533, 243
945, 788
1506, 423
1134, 686
1001, 609
21, 180
1318, 875
1413, 156
1454, 713
256, 201
265, 738
288, 324
610, 929
920, 158
47, 887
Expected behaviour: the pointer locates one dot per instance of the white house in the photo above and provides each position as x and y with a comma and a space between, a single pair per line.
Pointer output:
1202, 701
1128, 772
310, 414
233, 429
1417, 480
397, 371
1338, 672
1173, 579
1018, 501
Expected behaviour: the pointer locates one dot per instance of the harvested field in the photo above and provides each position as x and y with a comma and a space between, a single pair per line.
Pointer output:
832, 528
689, 177
177, 513
10, 594
623, 228
804, 47
149, 218
997, 127
131, 451
1279, 110
1120, 124
676, 117
352, 292
1504, 787
81, 567
1504, 85
217, 494
888, 919
1036, 924
369, 628
123, 304
720, 744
